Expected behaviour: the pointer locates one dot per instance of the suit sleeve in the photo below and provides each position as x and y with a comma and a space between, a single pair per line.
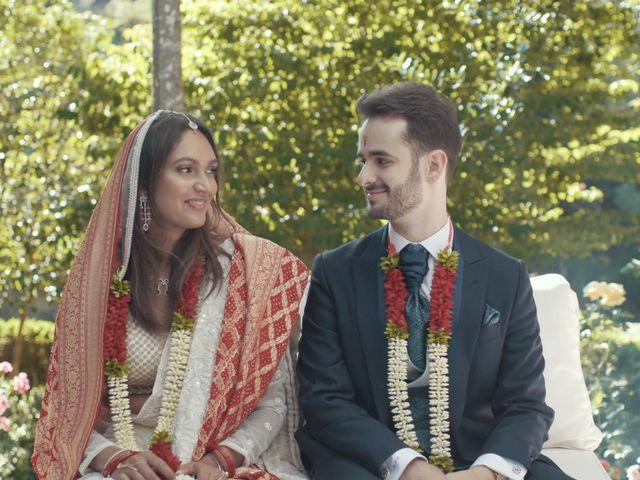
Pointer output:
327, 395
522, 417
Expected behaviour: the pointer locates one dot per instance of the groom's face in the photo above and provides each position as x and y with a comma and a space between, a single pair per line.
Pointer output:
390, 173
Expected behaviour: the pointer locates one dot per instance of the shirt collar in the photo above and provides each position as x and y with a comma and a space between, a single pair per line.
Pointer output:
434, 244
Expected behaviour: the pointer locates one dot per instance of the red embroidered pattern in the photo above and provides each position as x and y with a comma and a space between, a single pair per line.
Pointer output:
254, 346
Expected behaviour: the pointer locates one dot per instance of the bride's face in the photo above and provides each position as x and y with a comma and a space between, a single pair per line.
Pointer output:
184, 187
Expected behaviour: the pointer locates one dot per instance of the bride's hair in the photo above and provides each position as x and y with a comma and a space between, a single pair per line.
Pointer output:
144, 268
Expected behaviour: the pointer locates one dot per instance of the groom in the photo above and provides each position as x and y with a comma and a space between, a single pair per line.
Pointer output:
491, 419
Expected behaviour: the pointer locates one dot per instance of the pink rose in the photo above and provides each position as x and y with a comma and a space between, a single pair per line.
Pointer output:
6, 367
21, 383
633, 473
4, 404
5, 424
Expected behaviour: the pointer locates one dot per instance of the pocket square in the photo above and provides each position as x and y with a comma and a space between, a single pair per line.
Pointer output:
491, 316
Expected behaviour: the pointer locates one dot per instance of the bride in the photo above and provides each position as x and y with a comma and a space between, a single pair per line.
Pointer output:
172, 356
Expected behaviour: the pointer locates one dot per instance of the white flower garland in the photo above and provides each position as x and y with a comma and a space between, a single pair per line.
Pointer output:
439, 336
439, 399
398, 392
121, 411
176, 369
179, 348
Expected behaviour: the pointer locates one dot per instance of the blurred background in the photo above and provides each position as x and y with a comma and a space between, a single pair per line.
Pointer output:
548, 96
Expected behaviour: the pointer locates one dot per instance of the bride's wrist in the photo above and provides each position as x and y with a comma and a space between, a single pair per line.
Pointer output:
211, 459
237, 457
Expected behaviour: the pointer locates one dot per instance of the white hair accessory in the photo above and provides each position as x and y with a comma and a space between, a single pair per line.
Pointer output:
191, 123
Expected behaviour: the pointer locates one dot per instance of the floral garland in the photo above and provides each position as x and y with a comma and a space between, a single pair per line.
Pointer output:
116, 366
439, 334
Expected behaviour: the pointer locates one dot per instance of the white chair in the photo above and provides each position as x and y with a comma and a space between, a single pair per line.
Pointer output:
573, 435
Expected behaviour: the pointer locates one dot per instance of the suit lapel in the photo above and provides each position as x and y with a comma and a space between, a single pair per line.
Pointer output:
370, 309
469, 301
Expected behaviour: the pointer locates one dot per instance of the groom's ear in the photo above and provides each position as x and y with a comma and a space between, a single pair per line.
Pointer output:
435, 165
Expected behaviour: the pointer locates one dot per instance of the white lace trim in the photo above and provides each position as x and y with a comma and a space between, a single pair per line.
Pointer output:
197, 383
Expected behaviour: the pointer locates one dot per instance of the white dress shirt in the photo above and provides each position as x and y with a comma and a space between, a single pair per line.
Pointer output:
394, 466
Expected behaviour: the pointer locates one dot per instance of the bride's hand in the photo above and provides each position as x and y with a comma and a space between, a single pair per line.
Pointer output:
207, 468
143, 466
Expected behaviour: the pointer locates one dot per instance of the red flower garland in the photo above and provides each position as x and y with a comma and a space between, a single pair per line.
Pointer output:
163, 450
396, 298
439, 329
395, 290
443, 285
116, 332
115, 329
188, 304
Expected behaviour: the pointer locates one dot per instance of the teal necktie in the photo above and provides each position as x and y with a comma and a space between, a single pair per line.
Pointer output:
414, 266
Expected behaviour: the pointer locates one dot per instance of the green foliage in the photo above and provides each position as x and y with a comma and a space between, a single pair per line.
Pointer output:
16, 444
546, 92
633, 268
68, 97
38, 338
122, 11
610, 364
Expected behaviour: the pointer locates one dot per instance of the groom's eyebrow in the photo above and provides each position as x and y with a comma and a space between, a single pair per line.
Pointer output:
376, 153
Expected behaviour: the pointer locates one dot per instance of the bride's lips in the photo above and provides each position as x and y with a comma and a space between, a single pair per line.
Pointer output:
197, 203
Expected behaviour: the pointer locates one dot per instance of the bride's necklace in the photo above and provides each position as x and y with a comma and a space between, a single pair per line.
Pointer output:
162, 287
116, 365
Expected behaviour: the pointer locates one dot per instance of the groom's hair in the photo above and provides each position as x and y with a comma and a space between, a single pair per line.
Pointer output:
431, 118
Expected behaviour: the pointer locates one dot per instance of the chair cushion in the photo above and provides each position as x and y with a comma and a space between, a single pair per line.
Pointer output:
558, 314
577, 463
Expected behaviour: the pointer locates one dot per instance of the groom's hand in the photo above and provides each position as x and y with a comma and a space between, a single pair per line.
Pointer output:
418, 469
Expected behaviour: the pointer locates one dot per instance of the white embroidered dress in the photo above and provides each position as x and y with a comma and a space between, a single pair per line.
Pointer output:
266, 435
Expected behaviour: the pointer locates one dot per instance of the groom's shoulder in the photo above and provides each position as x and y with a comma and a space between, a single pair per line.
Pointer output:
484, 249
353, 248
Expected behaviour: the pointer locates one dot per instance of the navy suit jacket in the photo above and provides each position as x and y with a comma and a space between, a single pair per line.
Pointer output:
496, 385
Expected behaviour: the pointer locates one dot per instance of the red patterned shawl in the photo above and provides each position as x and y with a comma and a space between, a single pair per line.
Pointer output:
266, 285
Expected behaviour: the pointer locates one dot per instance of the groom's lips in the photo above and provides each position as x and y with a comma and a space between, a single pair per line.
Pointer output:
373, 192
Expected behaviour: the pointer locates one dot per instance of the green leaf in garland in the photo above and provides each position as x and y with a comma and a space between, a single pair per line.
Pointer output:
181, 322
394, 331
120, 288
115, 369
439, 338
449, 259
161, 436
443, 462
390, 261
